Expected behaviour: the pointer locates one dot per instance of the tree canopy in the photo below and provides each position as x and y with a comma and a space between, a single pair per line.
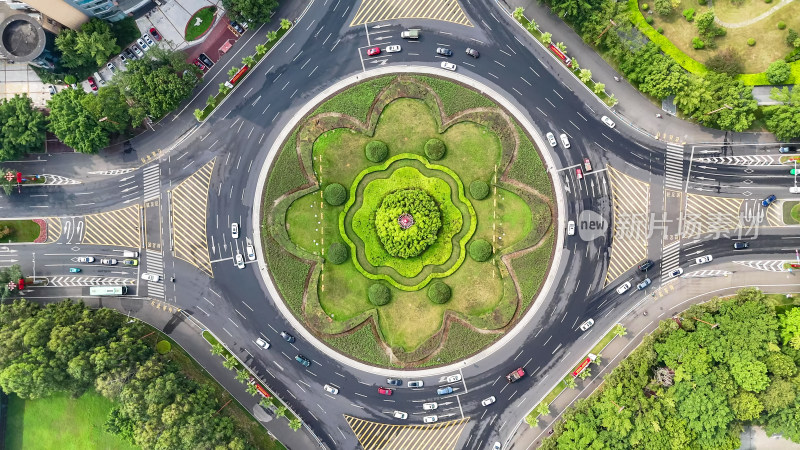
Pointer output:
250, 11
22, 128
88, 47
784, 119
74, 124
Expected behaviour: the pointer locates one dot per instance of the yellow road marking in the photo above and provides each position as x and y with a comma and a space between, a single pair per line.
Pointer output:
442, 435
189, 207
380, 10
630, 199
120, 228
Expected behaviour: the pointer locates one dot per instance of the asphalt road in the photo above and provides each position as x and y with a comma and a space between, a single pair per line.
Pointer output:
320, 50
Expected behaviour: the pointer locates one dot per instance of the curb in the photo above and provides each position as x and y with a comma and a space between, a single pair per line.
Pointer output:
501, 100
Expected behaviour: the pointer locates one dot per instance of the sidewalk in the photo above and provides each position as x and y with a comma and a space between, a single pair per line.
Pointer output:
633, 107
187, 333
669, 299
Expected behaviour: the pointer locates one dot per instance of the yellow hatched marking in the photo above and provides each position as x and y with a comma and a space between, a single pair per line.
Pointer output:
120, 228
380, 10
708, 214
380, 436
53, 229
630, 201
775, 214
189, 209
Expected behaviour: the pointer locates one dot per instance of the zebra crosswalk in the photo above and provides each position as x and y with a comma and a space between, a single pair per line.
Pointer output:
674, 167
154, 261
88, 281
670, 259
152, 182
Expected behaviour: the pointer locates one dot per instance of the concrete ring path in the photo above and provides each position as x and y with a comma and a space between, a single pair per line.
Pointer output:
548, 160
753, 20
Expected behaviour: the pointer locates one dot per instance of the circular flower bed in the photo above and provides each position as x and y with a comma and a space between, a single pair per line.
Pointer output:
407, 222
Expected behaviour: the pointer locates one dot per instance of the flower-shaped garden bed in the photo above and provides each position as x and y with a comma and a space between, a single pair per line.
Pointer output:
380, 232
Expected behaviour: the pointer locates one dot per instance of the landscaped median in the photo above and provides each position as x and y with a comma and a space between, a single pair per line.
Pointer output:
583, 372
583, 75
27, 230
254, 386
273, 37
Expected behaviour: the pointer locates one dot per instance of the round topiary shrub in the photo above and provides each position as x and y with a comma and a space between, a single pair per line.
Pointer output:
751, 42
479, 190
645, 6
435, 149
649, 20
377, 151
379, 294
337, 253
698, 44
781, 25
163, 347
480, 250
439, 293
335, 194
407, 222
660, 30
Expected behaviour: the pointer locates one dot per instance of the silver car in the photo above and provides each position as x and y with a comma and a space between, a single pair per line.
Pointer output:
141, 43
551, 139
137, 50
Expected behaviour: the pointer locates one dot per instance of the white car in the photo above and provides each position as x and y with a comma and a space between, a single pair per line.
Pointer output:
400, 415
86, 259
111, 67
330, 389
430, 419
251, 253
703, 259
430, 406
415, 384
141, 43
623, 288
151, 277
448, 66
571, 228
137, 51
393, 49
108, 261
148, 40
676, 273
262, 343
454, 378
608, 122
564, 140
488, 401
586, 325
235, 230
239, 261
551, 139
497, 446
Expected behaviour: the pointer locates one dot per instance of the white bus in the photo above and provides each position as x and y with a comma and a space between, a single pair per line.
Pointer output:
108, 290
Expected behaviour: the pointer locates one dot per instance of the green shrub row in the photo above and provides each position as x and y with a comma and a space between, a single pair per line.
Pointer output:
360, 344
529, 168
456, 98
461, 342
534, 265
357, 100
285, 175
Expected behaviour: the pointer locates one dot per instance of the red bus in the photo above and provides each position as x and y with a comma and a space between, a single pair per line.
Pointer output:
567, 60
262, 391
237, 77
583, 365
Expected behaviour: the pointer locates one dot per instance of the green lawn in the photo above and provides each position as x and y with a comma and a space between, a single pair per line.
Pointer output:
770, 43
21, 230
791, 212
61, 423
207, 16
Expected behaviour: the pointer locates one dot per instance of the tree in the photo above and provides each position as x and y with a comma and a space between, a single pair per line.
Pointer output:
230, 362
335, 194
746, 406
705, 24
480, 250
561, 46
252, 389
158, 84
519, 13
8, 274
248, 61
542, 409
619, 330
531, 27
250, 11
435, 149
280, 411
21, 128
586, 373
272, 36
547, 38
286, 24
779, 394
379, 294
585, 75
663, 7
778, 72
88, 47
781, 365
599, 87
569, 382
784, 121
792, 38
261, 49
726, 61
717, 100
479, 189
233, 71
376, 151
749, 373
337, 253
217, 349
439, 292
242, 376
295, 424
110, 109
73, 124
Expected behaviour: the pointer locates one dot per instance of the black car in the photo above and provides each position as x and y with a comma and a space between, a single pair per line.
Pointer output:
788, 149
444, 51
741, 245
394, 381
287, 337
647, 265
129, 54
237, 27
472, 52
205, 60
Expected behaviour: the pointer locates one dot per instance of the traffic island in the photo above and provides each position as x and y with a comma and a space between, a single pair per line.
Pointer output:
15, 231
366, 222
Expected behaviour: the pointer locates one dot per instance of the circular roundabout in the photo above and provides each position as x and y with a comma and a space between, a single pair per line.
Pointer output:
408, 221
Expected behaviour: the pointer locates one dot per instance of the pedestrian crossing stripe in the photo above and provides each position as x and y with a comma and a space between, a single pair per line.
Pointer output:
116, 228
381, 10
152, 182
382, 436
189, 208
674, 167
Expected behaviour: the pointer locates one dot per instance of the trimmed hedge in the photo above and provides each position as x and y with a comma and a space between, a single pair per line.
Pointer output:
435, 149
377, 151
379, 294
439, 292
407, 243
480, 250
337, 253
479, 190
335, 194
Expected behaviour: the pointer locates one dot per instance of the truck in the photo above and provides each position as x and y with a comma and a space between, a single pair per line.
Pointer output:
410, 34
515, 375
